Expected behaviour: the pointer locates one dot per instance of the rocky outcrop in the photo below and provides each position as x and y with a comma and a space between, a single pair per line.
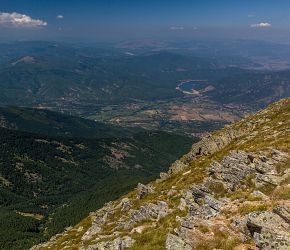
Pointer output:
269, 230
283, 212
177, 167
212, 144
175, 243
142, 190
149, 211
207, 146
232, 169
98, 219
124, 205
116, 244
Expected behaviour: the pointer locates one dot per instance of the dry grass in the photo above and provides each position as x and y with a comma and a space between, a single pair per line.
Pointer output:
277, 118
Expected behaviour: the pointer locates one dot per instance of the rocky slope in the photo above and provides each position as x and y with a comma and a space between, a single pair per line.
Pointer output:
231, 191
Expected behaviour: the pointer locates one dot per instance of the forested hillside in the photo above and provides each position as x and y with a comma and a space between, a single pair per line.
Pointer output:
47, 122
48, 183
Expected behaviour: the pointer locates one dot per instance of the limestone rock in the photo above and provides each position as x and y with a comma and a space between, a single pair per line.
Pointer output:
177, 167
262, 179
142, 190
279, 156
125, 205
116, 244
173, 242
213, 203
211, 144
149, 211
264, 167
163, 176
283, 212
270, 231
268, 239
172, 192
204, 212
182, 205
259, 194
232, 169
91, 232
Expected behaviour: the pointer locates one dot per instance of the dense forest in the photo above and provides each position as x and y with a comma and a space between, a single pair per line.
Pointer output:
48, 183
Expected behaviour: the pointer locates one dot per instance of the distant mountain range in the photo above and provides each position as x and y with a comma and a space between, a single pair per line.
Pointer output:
59, 75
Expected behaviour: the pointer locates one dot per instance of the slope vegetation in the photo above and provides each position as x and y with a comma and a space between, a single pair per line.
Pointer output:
231, 191
48, 183
51, 123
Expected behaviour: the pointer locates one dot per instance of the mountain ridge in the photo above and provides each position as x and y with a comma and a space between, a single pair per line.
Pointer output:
46, 122
231, 191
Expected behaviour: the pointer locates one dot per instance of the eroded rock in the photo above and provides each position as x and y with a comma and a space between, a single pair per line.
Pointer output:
270, 231
173, 242
143, 190
119, 243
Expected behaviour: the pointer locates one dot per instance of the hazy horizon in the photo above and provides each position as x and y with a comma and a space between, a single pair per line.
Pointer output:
112, 20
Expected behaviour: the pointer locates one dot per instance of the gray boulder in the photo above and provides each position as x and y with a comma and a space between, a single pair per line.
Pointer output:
177, 167
116, 244
262, 179
173, 242
270, 231
142, 190
283, 212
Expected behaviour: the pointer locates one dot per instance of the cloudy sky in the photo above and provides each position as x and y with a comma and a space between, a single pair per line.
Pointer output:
99, 20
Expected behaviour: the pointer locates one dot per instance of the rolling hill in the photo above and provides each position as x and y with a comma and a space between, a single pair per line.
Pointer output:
50, 123
62, 76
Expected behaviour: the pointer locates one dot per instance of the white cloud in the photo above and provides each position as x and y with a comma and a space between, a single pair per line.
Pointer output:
20, 20
177, 28
60, 16
261, 25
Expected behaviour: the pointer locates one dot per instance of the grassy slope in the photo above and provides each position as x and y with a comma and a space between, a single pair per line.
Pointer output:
267, 129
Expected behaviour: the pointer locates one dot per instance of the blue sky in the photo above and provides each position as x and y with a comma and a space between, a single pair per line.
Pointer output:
97, 20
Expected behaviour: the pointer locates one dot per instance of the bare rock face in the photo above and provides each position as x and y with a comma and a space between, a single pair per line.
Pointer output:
283, 212
91, 232
98, 218
173, 242
125, 205
149, 211
142, 190
163, 176
270, 231
260, 195
232, 169
212, 144
177, 167
208, 145
279, 156
116, 244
